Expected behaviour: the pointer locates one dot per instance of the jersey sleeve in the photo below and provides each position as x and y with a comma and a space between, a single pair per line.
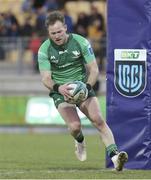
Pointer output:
87, 50
43, 59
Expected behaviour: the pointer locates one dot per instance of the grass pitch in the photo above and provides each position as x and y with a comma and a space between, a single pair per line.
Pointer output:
13, 109
51, 156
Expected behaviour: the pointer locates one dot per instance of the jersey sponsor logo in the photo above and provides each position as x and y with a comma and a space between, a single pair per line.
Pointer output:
65, 65
76, 54
130, 71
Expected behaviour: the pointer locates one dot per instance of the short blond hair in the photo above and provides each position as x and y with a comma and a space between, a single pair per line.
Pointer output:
53, 17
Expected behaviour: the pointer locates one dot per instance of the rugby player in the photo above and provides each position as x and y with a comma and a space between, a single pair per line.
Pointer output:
64, 58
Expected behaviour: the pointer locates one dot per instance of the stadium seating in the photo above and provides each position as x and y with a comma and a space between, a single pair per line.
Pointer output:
13, 6
75, 7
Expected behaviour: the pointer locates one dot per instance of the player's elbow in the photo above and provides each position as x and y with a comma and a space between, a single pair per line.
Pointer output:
95, 71
45, 80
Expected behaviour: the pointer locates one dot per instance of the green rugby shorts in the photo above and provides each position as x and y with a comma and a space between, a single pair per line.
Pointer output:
58, 98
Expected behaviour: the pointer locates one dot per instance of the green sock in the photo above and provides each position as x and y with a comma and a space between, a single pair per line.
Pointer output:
112, 150
80, 137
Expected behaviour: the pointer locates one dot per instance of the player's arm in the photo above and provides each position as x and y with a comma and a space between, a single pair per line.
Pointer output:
51, 85
90, 61
46, 79
93, 72
45, 66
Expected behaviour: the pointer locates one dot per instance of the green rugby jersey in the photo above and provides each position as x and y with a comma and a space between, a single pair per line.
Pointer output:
66, 62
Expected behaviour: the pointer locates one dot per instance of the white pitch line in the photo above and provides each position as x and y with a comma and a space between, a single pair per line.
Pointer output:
52, 171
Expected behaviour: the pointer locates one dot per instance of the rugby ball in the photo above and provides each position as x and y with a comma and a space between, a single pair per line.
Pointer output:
79, 92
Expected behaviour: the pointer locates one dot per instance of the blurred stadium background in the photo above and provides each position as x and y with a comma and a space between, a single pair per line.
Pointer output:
21, 33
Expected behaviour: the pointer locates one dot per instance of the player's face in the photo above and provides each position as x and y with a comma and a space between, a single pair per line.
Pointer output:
57, 33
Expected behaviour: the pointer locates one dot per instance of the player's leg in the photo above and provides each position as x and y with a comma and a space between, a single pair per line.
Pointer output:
91, 109
70, 116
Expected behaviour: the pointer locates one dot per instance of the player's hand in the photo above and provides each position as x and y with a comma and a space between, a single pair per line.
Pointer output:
68, 99
64, 90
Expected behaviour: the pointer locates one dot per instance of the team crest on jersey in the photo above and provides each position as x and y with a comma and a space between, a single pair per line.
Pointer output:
76, 54
130, 71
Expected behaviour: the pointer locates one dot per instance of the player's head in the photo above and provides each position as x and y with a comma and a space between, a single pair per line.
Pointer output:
55, 23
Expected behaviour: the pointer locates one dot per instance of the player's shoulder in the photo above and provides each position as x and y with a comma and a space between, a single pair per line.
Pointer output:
45, 44
80, 39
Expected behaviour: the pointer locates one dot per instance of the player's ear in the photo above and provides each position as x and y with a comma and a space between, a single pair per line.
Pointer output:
65, 26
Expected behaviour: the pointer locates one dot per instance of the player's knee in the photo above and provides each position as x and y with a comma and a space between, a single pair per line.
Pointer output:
75, 127
98, 121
